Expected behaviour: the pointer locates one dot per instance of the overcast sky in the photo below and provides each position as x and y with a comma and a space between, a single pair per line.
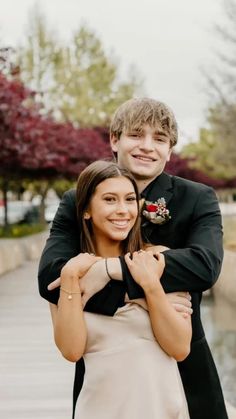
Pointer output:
167, 41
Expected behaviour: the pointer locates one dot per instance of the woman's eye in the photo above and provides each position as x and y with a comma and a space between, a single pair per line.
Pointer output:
109, 198
131, 198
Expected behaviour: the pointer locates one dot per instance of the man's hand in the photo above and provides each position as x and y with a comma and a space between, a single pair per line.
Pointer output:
93, 281
79, 264
156, 249
181, 301
54, 284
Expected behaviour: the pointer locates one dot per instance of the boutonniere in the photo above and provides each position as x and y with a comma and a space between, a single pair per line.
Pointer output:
156, 212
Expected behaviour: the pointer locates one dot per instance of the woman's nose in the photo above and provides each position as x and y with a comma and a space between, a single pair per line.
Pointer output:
121, 207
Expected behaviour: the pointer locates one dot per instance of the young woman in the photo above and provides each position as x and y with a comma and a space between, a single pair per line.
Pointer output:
130, 358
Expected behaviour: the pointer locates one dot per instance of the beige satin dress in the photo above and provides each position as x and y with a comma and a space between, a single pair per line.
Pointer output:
127, 374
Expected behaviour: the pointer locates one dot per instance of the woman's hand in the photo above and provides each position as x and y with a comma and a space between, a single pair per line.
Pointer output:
146, 269
79, 265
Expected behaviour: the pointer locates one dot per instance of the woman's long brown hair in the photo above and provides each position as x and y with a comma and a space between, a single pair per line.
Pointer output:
87, 182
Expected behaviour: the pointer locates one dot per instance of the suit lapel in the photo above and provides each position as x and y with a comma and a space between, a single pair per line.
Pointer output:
161, 187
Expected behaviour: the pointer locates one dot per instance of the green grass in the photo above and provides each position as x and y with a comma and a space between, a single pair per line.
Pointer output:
21, 230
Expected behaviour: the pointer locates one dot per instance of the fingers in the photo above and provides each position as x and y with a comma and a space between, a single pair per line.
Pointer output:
159, 257
184, 294
54, 284
181, 298
182, 308
159, 248
185, 315
127, 259
183, 301
144, 255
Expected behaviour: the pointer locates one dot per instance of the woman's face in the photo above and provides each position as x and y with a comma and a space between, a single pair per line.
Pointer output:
113, 210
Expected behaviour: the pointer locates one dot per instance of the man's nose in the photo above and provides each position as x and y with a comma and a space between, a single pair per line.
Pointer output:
146, 143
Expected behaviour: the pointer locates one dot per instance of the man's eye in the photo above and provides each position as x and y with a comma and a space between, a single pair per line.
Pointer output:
134, 135
161, 139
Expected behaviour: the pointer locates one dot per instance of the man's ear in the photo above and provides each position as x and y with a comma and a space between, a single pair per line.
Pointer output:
169, 154
114, 143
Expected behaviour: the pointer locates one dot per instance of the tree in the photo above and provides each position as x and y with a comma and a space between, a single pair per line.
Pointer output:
221, 79
222, 92
77, 82
37, 147
184, 167
201, 152
222, 121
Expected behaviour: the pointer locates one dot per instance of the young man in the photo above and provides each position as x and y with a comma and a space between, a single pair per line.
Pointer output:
143, 133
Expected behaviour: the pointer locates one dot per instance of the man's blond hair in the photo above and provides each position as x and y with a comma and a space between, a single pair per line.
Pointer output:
135, 113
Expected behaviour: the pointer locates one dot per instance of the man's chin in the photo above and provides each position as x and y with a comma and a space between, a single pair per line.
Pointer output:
144, 176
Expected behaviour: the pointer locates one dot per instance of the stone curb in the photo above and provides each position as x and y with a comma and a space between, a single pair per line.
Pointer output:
14, 252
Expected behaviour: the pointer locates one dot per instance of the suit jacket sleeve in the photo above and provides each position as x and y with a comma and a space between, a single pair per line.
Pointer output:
196, 266
62, 245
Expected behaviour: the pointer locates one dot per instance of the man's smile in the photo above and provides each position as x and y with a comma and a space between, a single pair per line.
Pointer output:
143, 158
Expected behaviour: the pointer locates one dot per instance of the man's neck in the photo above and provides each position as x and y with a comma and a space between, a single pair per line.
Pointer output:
142, 184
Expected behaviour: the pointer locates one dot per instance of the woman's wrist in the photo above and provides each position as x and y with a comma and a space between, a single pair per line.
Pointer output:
70, 282
70, 288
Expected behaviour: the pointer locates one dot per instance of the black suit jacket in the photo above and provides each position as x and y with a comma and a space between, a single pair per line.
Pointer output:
194, 234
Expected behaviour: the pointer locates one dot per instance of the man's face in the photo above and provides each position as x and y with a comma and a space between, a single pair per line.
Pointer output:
144, 153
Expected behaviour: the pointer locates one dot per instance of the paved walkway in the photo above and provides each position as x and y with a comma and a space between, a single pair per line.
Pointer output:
35, 381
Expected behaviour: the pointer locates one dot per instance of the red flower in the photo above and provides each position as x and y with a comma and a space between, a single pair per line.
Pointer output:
151, 208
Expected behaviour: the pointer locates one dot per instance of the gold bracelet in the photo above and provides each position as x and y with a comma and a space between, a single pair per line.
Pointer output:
69, 292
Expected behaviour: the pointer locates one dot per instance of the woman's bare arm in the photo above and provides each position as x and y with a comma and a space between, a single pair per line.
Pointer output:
69, 326
172, 331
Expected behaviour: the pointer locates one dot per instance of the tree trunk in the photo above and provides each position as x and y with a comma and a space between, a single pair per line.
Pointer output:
43, 193
5, 189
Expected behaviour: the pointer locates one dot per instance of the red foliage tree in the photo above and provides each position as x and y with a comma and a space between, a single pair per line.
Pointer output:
180, 166
36, 146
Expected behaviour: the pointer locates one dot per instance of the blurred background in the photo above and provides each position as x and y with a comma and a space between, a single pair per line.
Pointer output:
65, 66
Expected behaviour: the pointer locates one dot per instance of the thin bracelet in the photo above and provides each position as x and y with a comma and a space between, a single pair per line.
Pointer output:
107, 270
69, 292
